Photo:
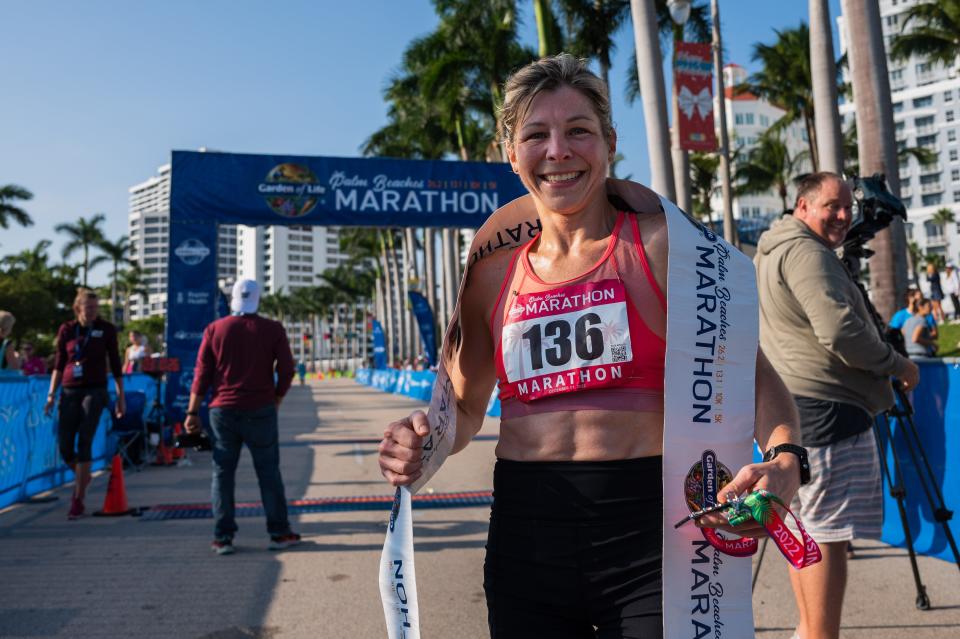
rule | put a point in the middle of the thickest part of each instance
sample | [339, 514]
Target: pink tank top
[580, 344]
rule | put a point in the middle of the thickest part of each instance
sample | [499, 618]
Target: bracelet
[193, 414]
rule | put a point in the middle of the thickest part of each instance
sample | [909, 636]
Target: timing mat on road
[470, 499]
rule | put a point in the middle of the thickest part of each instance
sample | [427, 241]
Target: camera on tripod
[874, 208]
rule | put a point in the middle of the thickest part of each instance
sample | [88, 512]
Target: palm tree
[703, 181]
[823, 72]
[785, 81]
[130, 283]
[877, 152]
[915, 256]
[117, 253]
[29, 260]
[8, 195]
[549, 35]
[768, 165]
[942, 217]
[591, 27]
[930, 30]
[83, 236]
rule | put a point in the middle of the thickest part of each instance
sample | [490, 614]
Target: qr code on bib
[618, 352]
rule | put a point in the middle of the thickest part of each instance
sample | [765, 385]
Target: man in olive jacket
[819, 336]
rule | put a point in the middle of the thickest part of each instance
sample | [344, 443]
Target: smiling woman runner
[573, 326]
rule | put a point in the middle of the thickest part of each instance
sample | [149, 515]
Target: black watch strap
[193, 414]
[801, 454]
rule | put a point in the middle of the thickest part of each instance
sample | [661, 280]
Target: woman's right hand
[48, 407]
[401, 449]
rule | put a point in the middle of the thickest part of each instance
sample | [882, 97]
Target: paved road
[130, 578]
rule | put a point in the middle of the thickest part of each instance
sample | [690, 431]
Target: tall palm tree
[942, 217]
[84, 235]
[9, 194]
[785, 81]
[769, 165]
[823, 72]
[704, 183]
[877, 150]
[117, 253]
[591, 27]
[549, 34]
[930, 30]
[915, 256]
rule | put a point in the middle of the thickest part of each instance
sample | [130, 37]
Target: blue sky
[96, 94]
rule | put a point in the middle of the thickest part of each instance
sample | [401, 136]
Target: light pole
[679, 13]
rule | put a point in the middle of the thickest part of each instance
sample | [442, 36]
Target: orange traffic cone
[115, 503]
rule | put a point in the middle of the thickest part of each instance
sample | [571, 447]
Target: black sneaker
[223, 546]
[281, 542]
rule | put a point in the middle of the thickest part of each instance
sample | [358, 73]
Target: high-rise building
[926, 106]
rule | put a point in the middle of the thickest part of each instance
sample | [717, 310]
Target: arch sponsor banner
[234, 188]
[693, 85]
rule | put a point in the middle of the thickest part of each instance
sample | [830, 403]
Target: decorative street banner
[421, 310]
[693, 85]
[209, 188]
[379, 345]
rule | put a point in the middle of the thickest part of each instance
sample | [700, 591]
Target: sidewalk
[127, 577]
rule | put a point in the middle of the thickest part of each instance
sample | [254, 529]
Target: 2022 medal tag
[568, 338]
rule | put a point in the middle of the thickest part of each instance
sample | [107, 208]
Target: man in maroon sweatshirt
[238, 358]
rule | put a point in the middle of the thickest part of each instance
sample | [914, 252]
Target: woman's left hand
[121, 406]
[780, 477]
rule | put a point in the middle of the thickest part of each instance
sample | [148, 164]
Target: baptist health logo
[291, 190]
[191, 252]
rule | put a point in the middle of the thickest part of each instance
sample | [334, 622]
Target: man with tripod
[820, 337]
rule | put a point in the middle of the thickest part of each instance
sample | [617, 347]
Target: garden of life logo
[291, 190]
[704, 481]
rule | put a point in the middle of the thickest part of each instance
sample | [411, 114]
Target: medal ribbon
[800, 553]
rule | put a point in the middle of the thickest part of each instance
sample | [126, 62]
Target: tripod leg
[756, 571]
[925, 472]
[898, 492]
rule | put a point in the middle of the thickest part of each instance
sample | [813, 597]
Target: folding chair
[130, 431]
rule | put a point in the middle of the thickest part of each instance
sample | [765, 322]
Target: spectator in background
[237, 359]
[136, 352]
[84, 347]
[936, 291]
[9, 360]
[910, 299]
[32, 364]
[919, 339]
[301, 372]
[951, 287]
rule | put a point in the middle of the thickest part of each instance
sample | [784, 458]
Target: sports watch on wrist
[801, 454]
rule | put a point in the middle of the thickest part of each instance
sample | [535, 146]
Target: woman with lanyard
[84, 347]
[9, 360]
[576, 534]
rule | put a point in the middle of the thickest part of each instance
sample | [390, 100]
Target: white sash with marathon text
[705, 594]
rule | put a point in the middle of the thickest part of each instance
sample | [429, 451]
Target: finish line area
[155, 575]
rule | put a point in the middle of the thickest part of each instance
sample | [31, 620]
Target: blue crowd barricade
[936, 402]
[415, 384]
[30, 460]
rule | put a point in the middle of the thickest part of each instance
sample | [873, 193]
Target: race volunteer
[575, 535]
[85, 346]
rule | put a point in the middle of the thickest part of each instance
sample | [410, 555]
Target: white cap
[246, 297]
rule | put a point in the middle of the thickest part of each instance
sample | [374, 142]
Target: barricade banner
[424, 315]
[29, 457]
[379, 345]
